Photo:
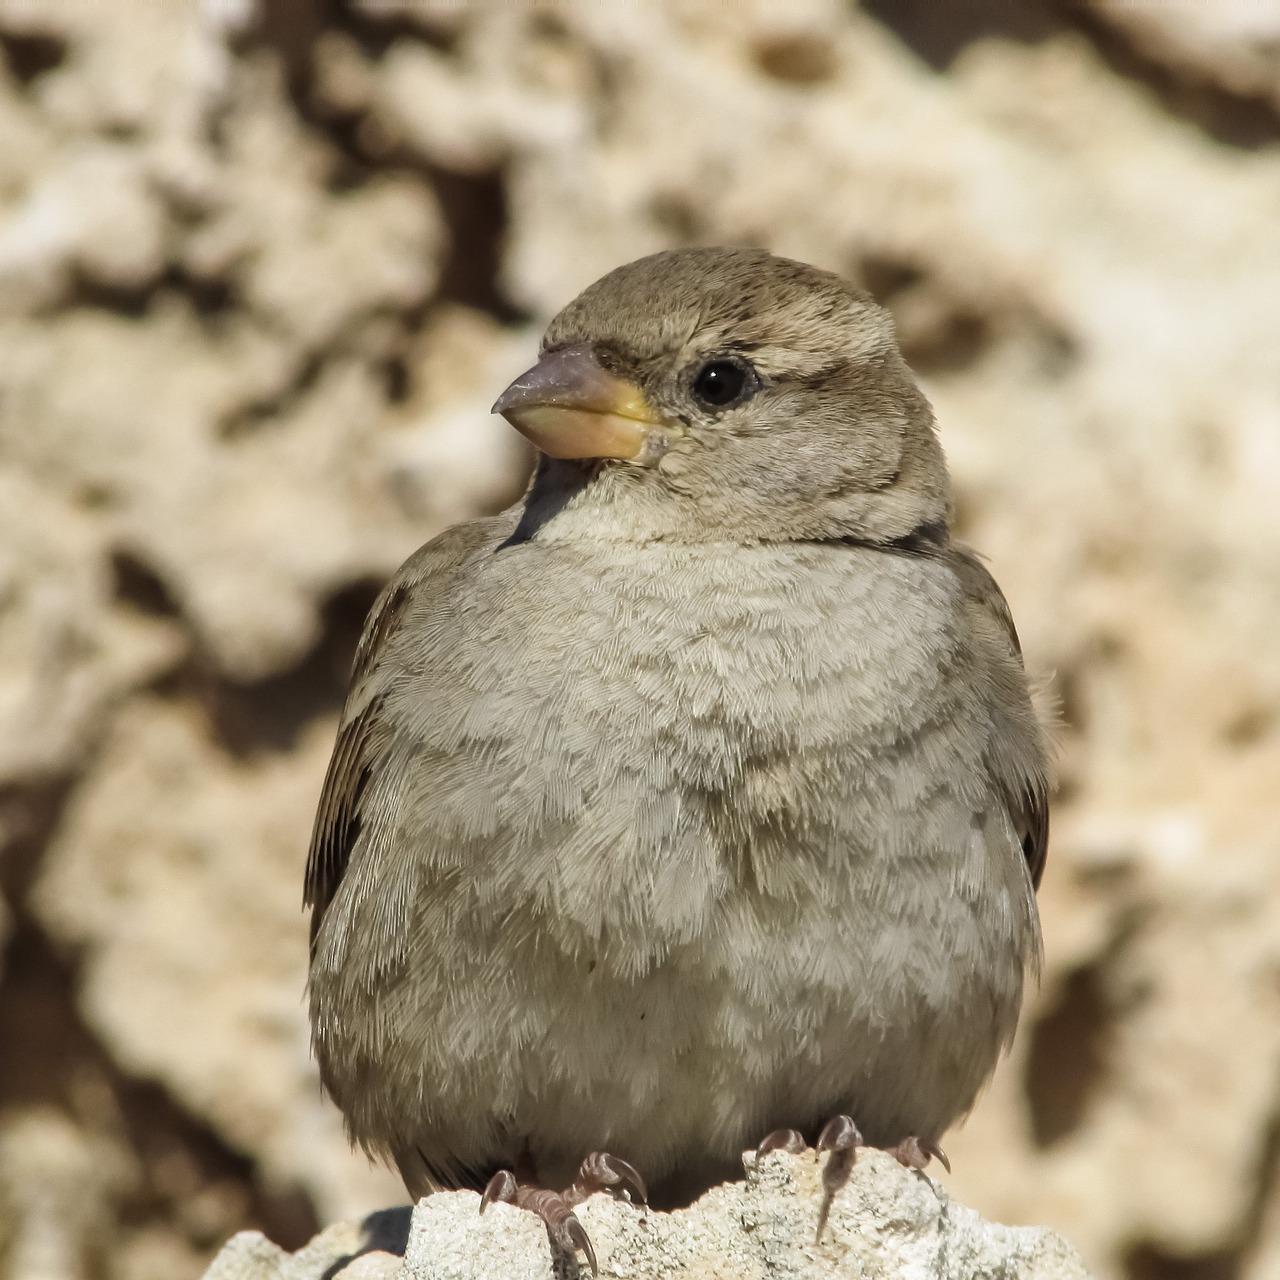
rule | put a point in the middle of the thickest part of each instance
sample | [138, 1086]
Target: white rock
[886, 1222]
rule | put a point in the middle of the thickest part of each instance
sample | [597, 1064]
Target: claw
[782, 1140]
[839, 1134]
[502, 1186]
[577, 1238]
[916, 1153]
[562, 1223]
[602, 1172]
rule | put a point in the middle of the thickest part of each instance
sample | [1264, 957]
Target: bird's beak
[571, 407]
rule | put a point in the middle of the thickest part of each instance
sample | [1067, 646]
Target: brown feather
[337, 823]
[1030, 808]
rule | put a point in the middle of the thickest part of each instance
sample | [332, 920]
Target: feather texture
[665, 812]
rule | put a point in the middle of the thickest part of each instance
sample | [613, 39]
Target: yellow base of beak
[570, 407]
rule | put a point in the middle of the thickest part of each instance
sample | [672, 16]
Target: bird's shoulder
[428, 576]
[1017, 753]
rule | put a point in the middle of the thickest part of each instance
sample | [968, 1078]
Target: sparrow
[697, 797]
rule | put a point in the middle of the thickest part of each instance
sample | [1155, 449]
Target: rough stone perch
[886, 1222]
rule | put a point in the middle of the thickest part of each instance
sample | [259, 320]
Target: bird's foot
[840, 1136]
[598, 1172]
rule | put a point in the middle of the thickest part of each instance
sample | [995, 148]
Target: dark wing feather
[1035, 843]
[1029, 801]
[337, 823]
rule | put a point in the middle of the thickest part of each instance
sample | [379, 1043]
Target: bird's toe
[841, 1137]
[791, 1140]
[602, 1172]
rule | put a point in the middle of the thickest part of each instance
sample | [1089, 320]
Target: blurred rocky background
[262, 269]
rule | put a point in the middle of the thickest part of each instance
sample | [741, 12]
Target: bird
[697, 801]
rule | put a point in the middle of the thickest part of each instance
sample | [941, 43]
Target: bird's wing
[1016, 752]
[363, 729]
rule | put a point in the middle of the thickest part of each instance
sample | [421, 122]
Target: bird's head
[727, 394]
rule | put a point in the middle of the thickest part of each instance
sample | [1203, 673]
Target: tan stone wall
[262, 271]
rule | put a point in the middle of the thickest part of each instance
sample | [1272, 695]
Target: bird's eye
[723, 382]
